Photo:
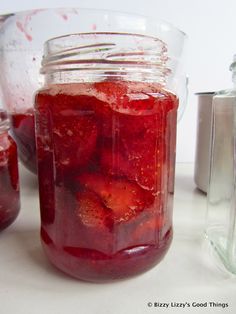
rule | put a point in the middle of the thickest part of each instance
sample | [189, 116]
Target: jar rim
[84, 43]
[107, 52]
[88, 34]
[24, 13]
[24, 27]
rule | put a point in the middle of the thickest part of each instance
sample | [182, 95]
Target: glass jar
[221, 216]
[106, 134]
[9, 180]
[21, 49]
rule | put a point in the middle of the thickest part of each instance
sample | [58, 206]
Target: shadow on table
[29, 242]
[185, 183]
[39, 265]
[28, 180]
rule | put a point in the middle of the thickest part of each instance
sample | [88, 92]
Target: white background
[211, 29]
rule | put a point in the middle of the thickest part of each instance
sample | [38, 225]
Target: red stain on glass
[20, 26]
[64, 16]
[94, 27]
[24, 25]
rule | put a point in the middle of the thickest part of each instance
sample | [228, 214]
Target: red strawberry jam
[106, 167]
[23, 132]
[9, 181]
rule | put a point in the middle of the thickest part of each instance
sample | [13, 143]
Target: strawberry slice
[112, 92]
[138, 159]
[71, 122]
[75, 140]
[84, 105]
[126, 199]
[91, 210]
[139, 148]
[135, 97]
[146, 159]
[124, 110]
[139, 125]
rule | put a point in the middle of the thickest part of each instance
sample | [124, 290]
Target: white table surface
[188, 273]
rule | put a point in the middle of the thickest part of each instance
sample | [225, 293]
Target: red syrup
[9, 181]
[106, 173]
[23, 132]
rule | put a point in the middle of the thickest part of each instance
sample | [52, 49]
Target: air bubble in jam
[106, 212]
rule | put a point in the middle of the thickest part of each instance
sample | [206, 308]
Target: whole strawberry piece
[124, 198]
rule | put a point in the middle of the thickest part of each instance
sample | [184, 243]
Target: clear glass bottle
[221, 198]
[106, 131]
[9, 180]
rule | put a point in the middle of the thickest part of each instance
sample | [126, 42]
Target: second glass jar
[105, 131]
[9, 176]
